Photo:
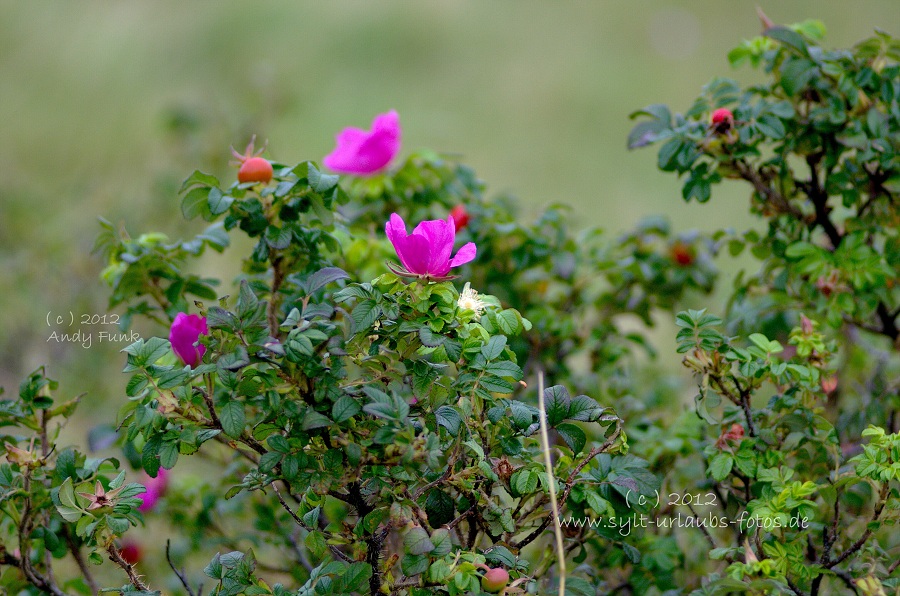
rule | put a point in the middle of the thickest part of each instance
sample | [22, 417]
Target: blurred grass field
[105, 107]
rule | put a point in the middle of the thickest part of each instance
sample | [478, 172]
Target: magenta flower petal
[464, 255]
[426, 252]
[186, 330]
[440, 235]
[417, 254]
[363, 153]
[156, 488]
[395, 229]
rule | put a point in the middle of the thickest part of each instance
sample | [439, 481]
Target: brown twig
[333, 548]
[277, 280]
[442, 478]
[180, 573]
[75, 549]
[876, 514]
[570, 482]
[702, 526]
[894, 566]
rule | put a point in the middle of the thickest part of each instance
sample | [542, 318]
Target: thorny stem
[116, 557]
[375, 541]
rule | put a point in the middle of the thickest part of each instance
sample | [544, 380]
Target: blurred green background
[106, 106]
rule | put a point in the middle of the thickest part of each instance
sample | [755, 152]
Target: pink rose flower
[363, 152]
[186, 330]
[426, 252]
[156, 488]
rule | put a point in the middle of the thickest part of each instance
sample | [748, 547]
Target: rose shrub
[338, 425]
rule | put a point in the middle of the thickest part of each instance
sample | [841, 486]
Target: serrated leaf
[525, 482]
[417, 541]
[573, 436]
[323, 277]
[345, 408]
[494, 347]
[720, 466]
[356, 576]
[501, 554]
[233, 418]
[196, 202]
[198, 178]
[313, 420]
[278, 238]
[318, 181]
[449, 418]
[218, 201]
[556, 404]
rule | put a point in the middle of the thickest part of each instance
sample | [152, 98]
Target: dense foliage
[359, 425]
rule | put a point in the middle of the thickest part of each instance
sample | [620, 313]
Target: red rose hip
[722, 115]
[494, 580]
[682, 254]
[253, 168]
[460, 217]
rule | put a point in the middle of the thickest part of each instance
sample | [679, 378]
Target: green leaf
[268, 461]
[508, 322]
[788, 37]
[196, 202]
[500, 554]
[168, 454]
[318, 181]
[442, 542]
[417, 541]
[440, 507]
[494, 347]
[449, 418]
[596, 502]
[720, 466]
[525, 482]
[556, 404]
[218, 201]
[364, 315]
[278, 238]
[412, 565]
[278, 443]
[150, 456]
[315, 542]
[584, 409]
[323, 277]
[313, 420]
[798, 250]
[233, 418]
[573, 436]
[198, 178]
[770, 126]
[345, 408]
[357, 576]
